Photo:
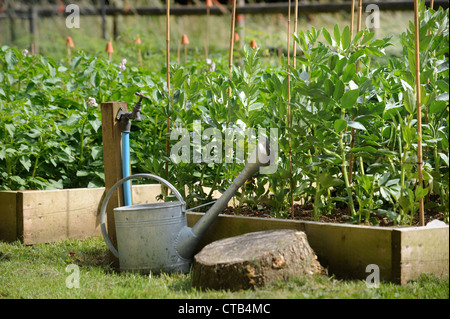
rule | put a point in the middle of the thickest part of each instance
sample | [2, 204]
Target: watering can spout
[188, 238]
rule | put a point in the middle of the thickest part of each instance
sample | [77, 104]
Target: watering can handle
[110, 193]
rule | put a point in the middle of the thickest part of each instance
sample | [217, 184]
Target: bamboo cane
[427, 109]
[168, 85]
[419, 111]
[352, 18]
[352, 130]
[230, 57]
[291, 179]
[295, 32]
[208, 4]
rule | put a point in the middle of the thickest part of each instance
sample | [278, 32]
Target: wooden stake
[138, 43]
[109, 49]
[112, 159]
[291, 179]
[178, 52]
[185, 42]
[419, 111]
[230, 56]
[69, 44]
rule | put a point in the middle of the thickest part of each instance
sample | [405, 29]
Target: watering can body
[146, 237]
[147, 234]
[155, 237]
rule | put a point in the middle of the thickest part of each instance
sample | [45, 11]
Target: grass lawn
[44, 271]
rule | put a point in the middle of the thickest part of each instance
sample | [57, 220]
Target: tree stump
[254, 259]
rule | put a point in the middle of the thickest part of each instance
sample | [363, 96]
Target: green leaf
[256, 106]
[337, 35]
[339, 88]
[358, 36]
[11, 58]
[409, 100]
[349, 98]
[356, 55]
[327, 180]
[26, 162]
[369, 149]
[96, 151]
[367, 37]
[75, 61]
[404, 202]
[437, 106]
[96, 124]
[340, 125]
[11, 129]
[444, 157]
[411, 60]
[356, 125]
[327, 36]
[19, 180]
[349, 72]
[346, 38]
[420, 193]
[82, 173]
[329, 87]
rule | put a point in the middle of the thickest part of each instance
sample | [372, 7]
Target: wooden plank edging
[401, 253]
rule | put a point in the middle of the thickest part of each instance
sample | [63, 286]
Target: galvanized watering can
[155, 237]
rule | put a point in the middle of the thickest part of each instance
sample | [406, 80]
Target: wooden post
[33, 17]
[112, 159]
[240, 22]
[103, 10]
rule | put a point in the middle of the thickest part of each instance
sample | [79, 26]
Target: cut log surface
[254, 260]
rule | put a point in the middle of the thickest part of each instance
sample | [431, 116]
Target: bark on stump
[254, 259]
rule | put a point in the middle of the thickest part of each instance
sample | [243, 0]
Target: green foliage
[51, 138]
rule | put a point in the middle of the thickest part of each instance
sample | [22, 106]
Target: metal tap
[125, 117]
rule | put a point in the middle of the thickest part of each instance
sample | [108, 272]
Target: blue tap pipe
[126, 167]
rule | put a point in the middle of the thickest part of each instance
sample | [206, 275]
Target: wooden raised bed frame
[401, 253]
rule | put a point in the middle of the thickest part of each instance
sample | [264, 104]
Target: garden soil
[304, 213]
